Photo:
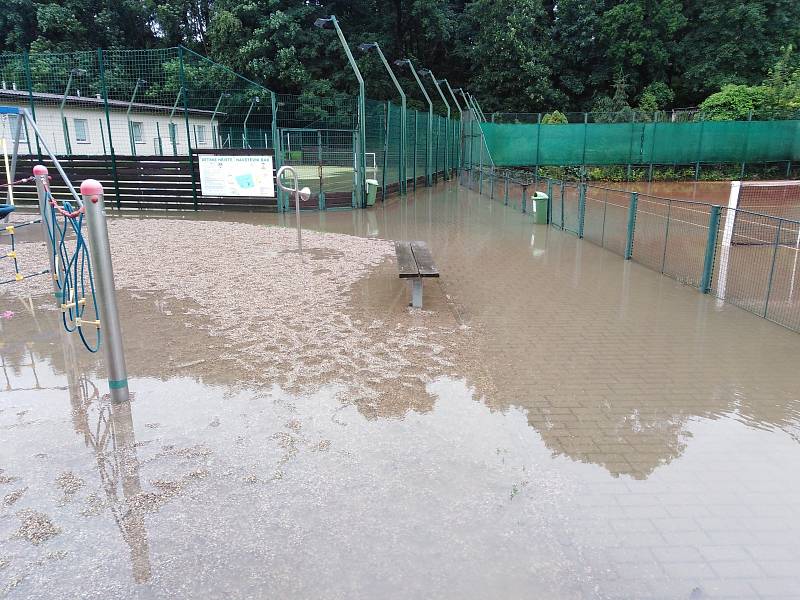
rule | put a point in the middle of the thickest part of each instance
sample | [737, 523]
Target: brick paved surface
[621, 437]
[677, 416]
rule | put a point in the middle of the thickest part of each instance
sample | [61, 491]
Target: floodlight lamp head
[441, 81]
[141, 81]
[255, 99]
[402, 62]
[325, 22]
[78, 72]
[366, 47]
[305, 194]
[424, 72]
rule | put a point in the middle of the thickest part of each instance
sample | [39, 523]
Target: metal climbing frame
[83, 277]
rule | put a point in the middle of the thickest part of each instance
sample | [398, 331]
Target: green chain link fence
[127, 117]
[742, 257]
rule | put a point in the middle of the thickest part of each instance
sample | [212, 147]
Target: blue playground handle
[6, 209]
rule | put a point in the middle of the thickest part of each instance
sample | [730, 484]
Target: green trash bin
[372, 191]
[539, 202]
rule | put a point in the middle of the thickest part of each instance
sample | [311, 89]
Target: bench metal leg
[416, 292]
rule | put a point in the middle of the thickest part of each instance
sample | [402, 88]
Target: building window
[81, 130]
[200, 134]
[137, 130]
[23, 132]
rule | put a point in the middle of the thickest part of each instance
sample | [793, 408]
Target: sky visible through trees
[514, 55]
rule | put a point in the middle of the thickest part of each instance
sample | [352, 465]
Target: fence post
[29, 79]
[100, 251]
[652, 148]
[699, 149]
[524, 197]
[104, 90]
[772, 267]
[711, 246]
[581, 208]
[480, 173]
[386, 149]
[538, 139]
[630, 146]
[585, 138]
[505, 191]
[276, 146]
[666, 236]
[746, 142]
[188, 129]
[415, 151]
[631, 225]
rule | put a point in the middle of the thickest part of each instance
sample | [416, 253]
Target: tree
[735, 102]
[574, 33]
[734, 41]
[506, 44]
[640, 39]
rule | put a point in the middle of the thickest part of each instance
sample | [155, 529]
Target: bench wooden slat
[405, 260]
[424, 260]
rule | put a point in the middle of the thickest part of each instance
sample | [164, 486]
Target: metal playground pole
[100, 250]
[41, 177]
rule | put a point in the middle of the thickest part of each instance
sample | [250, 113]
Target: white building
[137, 128]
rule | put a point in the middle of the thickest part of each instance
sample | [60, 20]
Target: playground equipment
[80, 266]
[299, 194]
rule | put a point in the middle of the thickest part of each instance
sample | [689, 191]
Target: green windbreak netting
[643, 143]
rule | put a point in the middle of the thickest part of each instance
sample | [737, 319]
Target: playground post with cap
[100, 250]
[40, 175]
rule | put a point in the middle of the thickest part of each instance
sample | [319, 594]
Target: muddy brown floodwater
[555, 423]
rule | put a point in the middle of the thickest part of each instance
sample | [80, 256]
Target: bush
[555, 118]
[735, 102]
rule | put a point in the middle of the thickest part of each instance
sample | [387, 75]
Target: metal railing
[741, 257]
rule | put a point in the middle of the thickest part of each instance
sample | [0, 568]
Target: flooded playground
[555, 422]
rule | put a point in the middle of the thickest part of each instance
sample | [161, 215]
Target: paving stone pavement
[677, 415]
[654, 434]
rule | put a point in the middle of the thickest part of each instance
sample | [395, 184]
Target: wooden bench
[414, 261]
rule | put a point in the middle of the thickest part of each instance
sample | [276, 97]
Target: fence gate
[325, 162]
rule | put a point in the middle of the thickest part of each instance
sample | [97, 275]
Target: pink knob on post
[91, 187]
[40, 170]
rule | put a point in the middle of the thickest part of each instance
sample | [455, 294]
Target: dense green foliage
[514, 55]
[777, 96]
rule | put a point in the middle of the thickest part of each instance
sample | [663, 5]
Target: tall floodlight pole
[429, 150]
[472, 117]
[473, 106]
[424, 72]
[360, 184]
[72, 74]
[460, 122]
[245, 141]
[374, 46]
[139, 82]
[214, 116]
[480, 110]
